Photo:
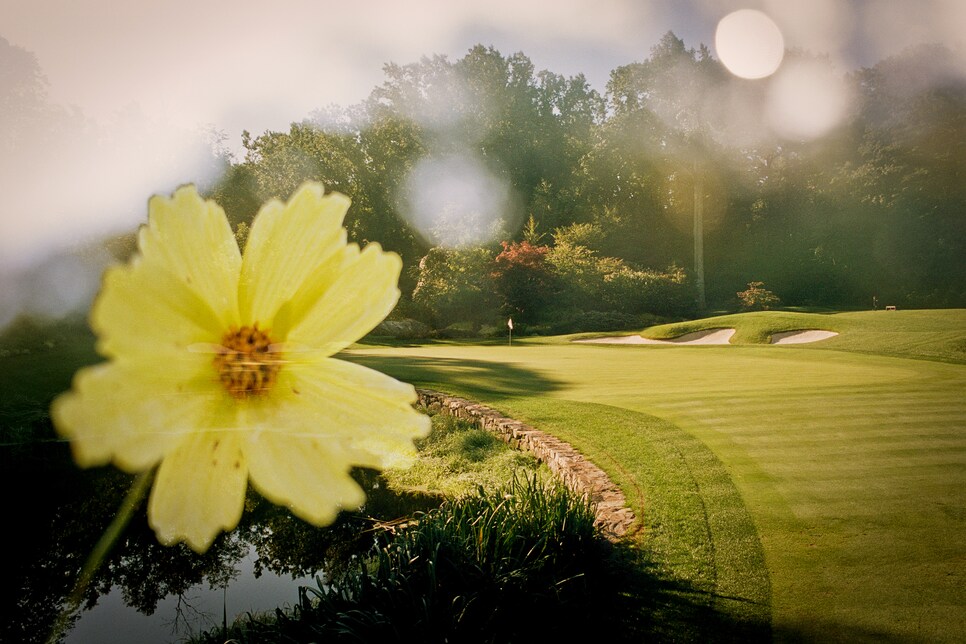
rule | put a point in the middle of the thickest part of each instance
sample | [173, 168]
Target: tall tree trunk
[699, 236]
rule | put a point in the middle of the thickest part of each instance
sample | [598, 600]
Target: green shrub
[492, 331]
[757, 297]
[634, 291]
[406, 328]
[580, 321]
[590, 282]
[579, 274]
[580, 234]
[455, 285]
[458, 330]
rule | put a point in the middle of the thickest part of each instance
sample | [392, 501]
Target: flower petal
[353, 299]
[325, 417]
[313, 288]
[190, 239]
[134, 412]
[144, 311]
[286, 244]
[305, 473]
[199, 489]
[366, 412]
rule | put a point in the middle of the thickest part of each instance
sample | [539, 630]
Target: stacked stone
[613, 516]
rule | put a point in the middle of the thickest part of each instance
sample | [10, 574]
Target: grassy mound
[927, 334]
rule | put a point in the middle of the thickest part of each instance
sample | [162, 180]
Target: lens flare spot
[749, 44]
[806, 100]
[454, 200]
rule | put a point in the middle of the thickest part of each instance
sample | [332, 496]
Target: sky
[152, 77]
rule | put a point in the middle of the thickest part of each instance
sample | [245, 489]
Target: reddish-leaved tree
[523, 278]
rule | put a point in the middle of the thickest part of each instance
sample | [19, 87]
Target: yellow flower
[219, 366]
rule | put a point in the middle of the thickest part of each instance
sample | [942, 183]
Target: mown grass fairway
[819, 488]
[824, 487]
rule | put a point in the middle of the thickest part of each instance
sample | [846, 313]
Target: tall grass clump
[458, 457]
[521, 561]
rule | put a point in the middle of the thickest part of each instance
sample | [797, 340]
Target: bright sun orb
[749, 44]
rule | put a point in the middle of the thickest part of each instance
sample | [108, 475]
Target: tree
[455, 285]
[907, 181]
[523, 278]
[530, 128]
[362, 157]
[238, 193]
[657, 171]
[531, 232]
[280, 162]
[672, 91]
[23, 95]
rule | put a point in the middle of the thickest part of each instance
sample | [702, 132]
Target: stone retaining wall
[579, 474]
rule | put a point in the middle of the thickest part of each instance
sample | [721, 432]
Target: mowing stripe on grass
[852, 466]
[694, 523]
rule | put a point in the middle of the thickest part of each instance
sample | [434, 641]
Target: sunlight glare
[806, 100]
[749, 44]
[454, 200]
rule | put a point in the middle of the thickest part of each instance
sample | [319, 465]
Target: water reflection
[147, 591]
[200, 608]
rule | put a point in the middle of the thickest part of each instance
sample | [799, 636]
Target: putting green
[825, 487]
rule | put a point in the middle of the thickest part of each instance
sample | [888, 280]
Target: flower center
[246, 363]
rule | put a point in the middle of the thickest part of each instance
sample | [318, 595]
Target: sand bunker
[801, 337]
[711, 336]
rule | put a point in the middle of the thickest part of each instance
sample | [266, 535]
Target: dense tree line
[616, 187]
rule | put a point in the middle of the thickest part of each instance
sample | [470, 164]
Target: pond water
[199, 608]
[146, 592]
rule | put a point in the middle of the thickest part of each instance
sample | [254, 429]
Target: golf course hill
[935, 334]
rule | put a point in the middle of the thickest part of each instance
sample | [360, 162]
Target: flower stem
[99, 554]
